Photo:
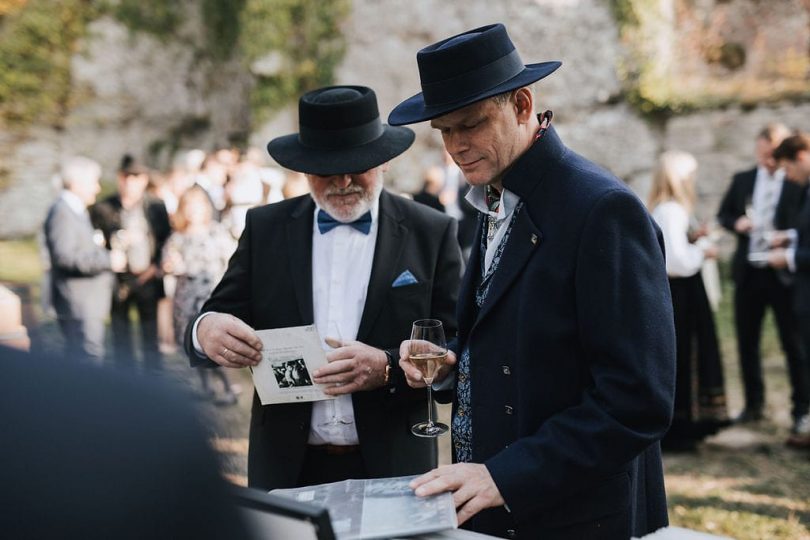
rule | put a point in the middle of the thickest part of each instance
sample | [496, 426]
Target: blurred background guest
[432, 182]
[81, 278]
[138, 225]
[700, 399]
[197, 255]
[794, 152]
[758, 202]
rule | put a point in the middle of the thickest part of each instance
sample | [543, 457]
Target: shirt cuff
[793, 236]
[790, 257]
[194, 341]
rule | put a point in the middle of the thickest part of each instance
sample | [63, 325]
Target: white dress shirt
[477, 197]
[767, 190]
[341, 269]
[683, 259]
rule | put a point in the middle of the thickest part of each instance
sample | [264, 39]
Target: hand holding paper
[228, 341]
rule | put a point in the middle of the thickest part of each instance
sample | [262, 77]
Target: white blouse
[683, 258]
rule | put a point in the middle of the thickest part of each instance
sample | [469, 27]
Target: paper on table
[289, 356]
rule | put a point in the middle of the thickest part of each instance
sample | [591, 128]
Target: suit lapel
[523, 240]
[299, 243]
[471, 277]
[387, 251]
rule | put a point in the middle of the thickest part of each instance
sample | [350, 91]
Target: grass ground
[743, 483]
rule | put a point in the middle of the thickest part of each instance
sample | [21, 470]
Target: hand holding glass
[428, 352]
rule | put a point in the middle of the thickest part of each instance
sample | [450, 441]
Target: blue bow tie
[326, 222]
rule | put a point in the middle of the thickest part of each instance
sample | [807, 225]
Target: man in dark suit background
[359, 263]
[81, 269]
[566, 348]
[794, 153]
[760, 201]
[138, 225]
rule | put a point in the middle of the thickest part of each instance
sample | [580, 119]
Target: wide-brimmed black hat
[340, 132]
[466, 68]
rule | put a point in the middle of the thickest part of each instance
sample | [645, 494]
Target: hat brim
[414, 110]
[291, 154]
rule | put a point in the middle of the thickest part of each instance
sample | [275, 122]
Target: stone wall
[137, 93]
[132, 93]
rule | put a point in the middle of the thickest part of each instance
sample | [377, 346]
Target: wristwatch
[388, 367]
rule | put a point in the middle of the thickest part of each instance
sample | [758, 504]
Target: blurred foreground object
[12, 332]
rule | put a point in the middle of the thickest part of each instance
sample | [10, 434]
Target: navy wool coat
[572, 356]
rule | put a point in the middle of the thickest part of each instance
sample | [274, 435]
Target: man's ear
[524, 104]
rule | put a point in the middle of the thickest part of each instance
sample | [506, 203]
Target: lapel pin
[534, 239]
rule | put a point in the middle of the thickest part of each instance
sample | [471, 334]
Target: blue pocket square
[405, 278]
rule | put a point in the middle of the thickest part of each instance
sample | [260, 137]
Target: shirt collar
[74, 202]
[777, 176]
[477, 196]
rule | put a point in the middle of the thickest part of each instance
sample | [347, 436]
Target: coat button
[506, 370]
[511, 533]
[508, 409]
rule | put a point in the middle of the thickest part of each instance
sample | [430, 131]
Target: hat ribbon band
[479, 80]
[337, 139]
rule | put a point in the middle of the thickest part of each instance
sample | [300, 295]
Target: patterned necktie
[326, 222]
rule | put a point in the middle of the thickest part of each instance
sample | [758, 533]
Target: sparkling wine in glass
[428, 352]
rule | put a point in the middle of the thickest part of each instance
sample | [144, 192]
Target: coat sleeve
[72, 252]
[626, 339]
[729, 212]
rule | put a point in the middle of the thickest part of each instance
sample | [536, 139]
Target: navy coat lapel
[387, 251]
[472, 275]
[523, 240]
[299, 244]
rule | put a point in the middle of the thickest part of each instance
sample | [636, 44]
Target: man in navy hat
[566, 348]
[361, 265]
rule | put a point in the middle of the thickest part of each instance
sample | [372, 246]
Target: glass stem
[430, 408]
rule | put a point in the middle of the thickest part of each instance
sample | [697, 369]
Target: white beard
[349, 213]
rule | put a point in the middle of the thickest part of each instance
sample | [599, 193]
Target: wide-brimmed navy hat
[340, 132]
[466, 68]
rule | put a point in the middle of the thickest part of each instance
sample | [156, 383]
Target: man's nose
[342, 181]
[455, 143]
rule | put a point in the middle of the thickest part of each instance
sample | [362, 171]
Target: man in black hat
[136, 224]
[566, 347]
[361, 265]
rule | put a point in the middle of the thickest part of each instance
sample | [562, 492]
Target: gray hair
[79, 169]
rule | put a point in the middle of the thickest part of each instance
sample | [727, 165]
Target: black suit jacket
[732, 207]
[268, 284]
[106, 215]
[572, 356]
[802, 291]
[81, 280]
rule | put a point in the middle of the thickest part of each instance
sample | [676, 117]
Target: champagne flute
[428, 352]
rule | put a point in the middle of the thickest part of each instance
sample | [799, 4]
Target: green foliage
[157, 17]
[306, 33]
[37, 41]
[222, 23]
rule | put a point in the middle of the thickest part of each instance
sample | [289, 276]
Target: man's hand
[778, 239]
[147, 274]
[412, 375]
[777, 259]
[353, 366]
[743, 225]
[472, 486]
[228, 341]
